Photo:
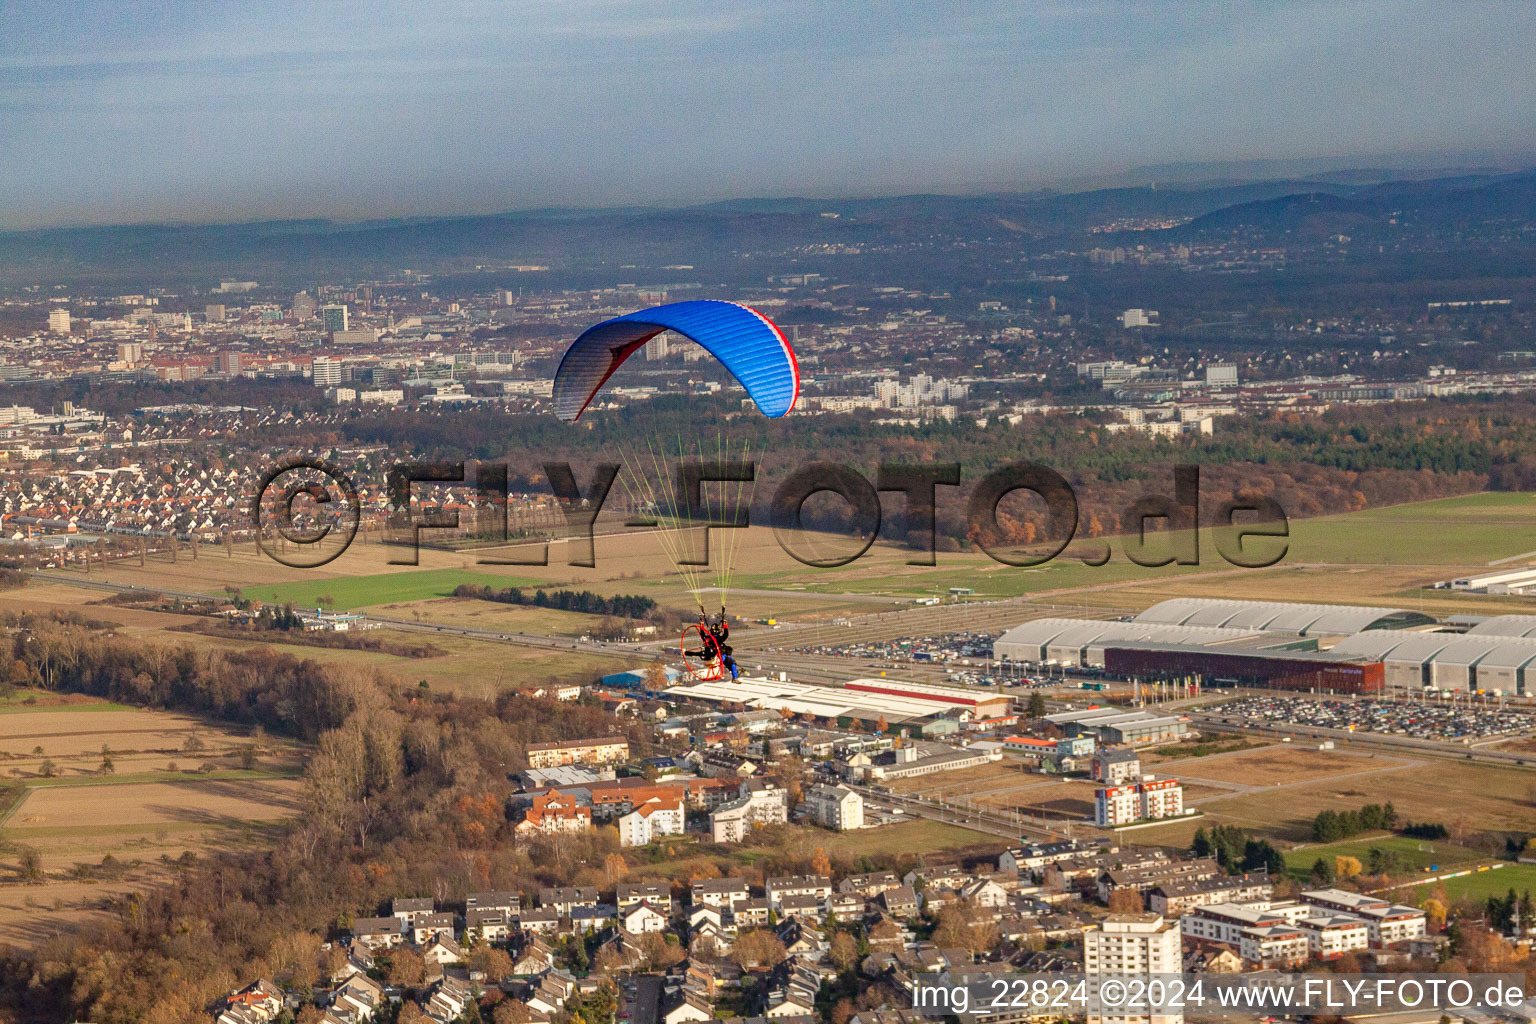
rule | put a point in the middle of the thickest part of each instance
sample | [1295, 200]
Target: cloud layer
[189, 110]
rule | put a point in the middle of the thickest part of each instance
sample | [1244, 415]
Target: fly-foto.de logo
[307, 512]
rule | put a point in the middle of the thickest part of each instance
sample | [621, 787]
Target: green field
[1482, 884]
[1470, 530]
[350, 592]
[1412, 854]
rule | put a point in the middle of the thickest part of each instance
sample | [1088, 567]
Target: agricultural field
[473, 614]
[176, 784]
[975, 779]
[459, 662]
[71, 733]
[1467, 797]
[1280, 764]
[348, 593]
[1050, 797]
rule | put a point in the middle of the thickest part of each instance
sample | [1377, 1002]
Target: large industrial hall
[1315, 647]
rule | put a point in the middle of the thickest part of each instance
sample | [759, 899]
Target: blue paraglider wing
[748, 344]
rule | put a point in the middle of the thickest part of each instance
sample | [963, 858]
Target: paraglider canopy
[747, 343]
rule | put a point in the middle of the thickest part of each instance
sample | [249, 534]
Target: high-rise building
[1131, 946]
[227, 363]
[325, 372]
[657, 348]
[304, 306]
[58, 321]
[1220, 373]
[335, 317]
[130, 352]
[1139, 318]
[214, 313]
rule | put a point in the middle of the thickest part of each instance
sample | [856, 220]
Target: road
[645, 1008]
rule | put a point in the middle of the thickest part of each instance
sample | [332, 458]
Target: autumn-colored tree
[1434, 914]
[1125, 900]
[656, 676]
[658, 952]
[881, 725]
[844, 952]
[1348, 963]
[331, 960]
[884, 934]
[411, 1013]
[615, 868]
[511, 1011]
[842, 1011]
[309, 1014]
[821, 864]
[1346, 867]
[494, 963]
[758, 947]
[405, 967]
[965, 926]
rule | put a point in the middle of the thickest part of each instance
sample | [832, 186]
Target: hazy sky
[191, 109]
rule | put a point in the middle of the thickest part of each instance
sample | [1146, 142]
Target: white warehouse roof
[1505, 625]
[1281, 617]
[1030, 640]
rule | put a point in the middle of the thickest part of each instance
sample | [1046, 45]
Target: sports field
[1411, 854]
[1481, 884]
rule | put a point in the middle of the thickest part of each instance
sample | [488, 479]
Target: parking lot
[1428, 720]
[939, 649]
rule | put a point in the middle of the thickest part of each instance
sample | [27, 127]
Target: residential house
[651, 821]
[539, 921]
[642, 917]
[835, 807]
[552, 814]
[564, 900]
[601, 750]
[845, 907]
[657, 895]
[489, 924]
[424, 928]
[379, 932]
[1174, 898]
[442, 949]
[872, 884]
[719, 892]
[408, 909]
[257, 1003]
[359, 997]
[819, 886]
[900, 902]
[508, 902]
[984, 892]
[800, 906]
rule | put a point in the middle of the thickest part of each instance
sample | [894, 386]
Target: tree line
[628, 606]
[1331, 826]
[1236, 851]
